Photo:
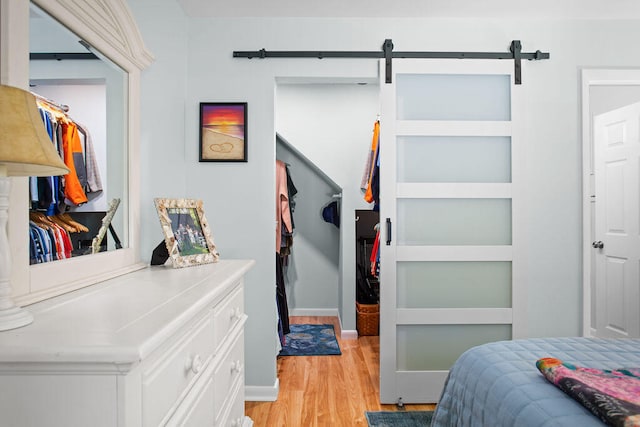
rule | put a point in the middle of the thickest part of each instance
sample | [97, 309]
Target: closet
[311, 268]
[329, 126]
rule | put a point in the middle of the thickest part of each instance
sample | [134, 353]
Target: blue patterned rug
[399, 419]
[310, 340]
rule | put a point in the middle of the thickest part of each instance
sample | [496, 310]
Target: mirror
[81, 95]
[108, 32]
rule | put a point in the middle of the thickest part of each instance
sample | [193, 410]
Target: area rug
[399, 418]
[310, 340]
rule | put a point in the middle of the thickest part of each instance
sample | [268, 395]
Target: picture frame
[186, 232]
[223, 132]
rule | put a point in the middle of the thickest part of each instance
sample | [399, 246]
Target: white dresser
[159, 346]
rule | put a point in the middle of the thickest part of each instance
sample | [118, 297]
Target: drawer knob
[235, 314]
[236, 367]
[193, 364]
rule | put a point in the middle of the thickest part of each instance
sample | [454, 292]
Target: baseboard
[314, 312]
[349, 335]
[262, 393]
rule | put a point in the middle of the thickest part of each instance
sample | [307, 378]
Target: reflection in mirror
[81, 95]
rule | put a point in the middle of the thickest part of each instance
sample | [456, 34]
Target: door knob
[598, 244]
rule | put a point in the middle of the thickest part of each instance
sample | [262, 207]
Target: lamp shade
[25, 146]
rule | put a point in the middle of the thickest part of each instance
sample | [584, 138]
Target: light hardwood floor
[319, 391]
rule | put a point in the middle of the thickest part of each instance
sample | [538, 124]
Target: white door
[617, 222]
[451, 207]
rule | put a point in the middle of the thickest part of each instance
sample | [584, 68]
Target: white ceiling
[597, 9]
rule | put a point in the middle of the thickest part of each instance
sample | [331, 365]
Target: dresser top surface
[121, 320]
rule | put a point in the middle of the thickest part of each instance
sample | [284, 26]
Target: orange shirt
[72, 148]
[368, 196]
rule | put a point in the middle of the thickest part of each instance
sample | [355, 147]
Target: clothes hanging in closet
[283, 211]
[285, 205]
[281, 300]
[371, 186]
[73, 142]
[374, 259]
[48, 240]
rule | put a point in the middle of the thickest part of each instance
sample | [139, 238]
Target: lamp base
[14, 317]
[11, 316]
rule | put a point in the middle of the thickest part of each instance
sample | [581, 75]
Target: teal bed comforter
[499, 384]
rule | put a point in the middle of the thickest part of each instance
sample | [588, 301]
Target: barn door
[451, 191]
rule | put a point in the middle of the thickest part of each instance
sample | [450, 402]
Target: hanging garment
[375, 182]
[286, 240]
[36, 249]
[371, 152]
[94, 182]
[74, 160]
[331, 213]
[375, 146]
[374, 259]
[283, 214]
[292, 191]
[281, 298]
[43, 189]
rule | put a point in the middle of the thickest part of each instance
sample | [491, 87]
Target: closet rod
[59, 56]
[515, 53]
[62, 107]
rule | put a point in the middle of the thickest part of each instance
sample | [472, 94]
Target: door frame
[592, 78]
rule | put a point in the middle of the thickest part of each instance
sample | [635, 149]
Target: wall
[607, 98]
[239, 197]
[163, 166]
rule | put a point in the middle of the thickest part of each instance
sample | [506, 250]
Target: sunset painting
[223, 132]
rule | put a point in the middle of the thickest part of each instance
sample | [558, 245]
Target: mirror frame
[109, 27]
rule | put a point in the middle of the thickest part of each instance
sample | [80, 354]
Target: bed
[498, 384]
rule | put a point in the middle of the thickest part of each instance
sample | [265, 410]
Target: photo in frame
[186, 232]
[223, 132]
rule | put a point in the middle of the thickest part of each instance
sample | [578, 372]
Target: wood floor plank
[319, 391]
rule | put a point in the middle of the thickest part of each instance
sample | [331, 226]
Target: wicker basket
[367, 318]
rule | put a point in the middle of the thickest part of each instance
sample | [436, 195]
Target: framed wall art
[186, 232]
[223, 131]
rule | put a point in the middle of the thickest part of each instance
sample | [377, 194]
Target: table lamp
[25, 150]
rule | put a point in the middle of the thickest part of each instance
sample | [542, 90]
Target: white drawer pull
[237, 422]
[236, 367]
[235, 314]
[193, 364]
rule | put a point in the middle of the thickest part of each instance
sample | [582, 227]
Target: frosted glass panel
[453, 97]
[436, 347]
[454, 159]
[454, 222]
[453, 284]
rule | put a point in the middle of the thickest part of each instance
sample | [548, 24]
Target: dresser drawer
[196, 409]
[234, 415]
[226, 314]
[228, 372]
[174, 369]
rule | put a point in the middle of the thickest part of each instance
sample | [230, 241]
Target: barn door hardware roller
[515, 53]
